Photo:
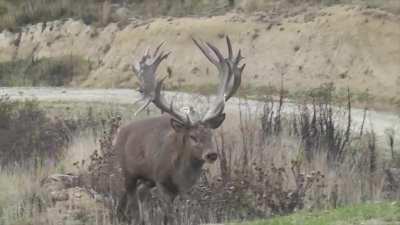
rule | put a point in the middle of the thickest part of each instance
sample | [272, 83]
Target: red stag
[168, 151]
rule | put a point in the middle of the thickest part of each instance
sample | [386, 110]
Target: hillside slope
[351, 46]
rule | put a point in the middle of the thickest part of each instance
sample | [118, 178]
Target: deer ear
[177, 125]
[215, 122]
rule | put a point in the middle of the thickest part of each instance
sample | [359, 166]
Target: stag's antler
[230, 75]
[145, 71]
[150, 88]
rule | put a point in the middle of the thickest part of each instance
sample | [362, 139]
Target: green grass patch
[385, 213]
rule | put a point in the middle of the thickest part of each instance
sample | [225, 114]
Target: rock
[59, 196]
[72, 203]
[58, 182]
[75, 206]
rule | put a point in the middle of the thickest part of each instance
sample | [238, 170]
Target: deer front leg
[167, 195]
[143, 193]
[122, 204]
[128, 205]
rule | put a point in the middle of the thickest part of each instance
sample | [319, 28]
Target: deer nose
[211, 157]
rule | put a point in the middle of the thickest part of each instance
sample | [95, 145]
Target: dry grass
[58, 71]
[262, 171]
[250, 6]
[22, 200]
[15, 14]
[267, 173]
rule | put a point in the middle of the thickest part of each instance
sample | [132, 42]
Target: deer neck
[186, 171]
[175, 165]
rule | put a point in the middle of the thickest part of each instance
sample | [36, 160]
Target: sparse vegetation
[16, 14]
[264, 169]
[27, 134]
[43, 72]
[244, 185]
[360, 99]
[308, 166]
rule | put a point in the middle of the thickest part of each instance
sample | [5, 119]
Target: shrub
[27, 134]
[42, 72]
[20, 13]
[15, 14]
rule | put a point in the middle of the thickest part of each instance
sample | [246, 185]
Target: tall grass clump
[19, 13]
[28, 135]
[39, 143]
[43, 72]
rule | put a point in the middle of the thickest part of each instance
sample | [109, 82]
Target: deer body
[153, 151]
[168, 151]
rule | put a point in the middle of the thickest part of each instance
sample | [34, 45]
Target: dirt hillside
[351, 46]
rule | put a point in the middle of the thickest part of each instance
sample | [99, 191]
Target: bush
[28, 135]
[43, 72]
[16, 14]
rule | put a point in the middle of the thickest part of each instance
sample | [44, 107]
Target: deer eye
[194, 138]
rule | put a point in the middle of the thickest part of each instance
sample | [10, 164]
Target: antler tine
[205, 51]
[160, 58]
[157, 49]
[236, 82]
[237, 71]
[216, 51]
[228, 43]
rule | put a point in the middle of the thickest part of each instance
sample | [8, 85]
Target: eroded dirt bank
[351, 46]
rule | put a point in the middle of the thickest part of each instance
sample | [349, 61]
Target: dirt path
[378, 120]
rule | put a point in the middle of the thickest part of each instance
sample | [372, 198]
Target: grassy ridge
[17, 13]
[378, 213]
